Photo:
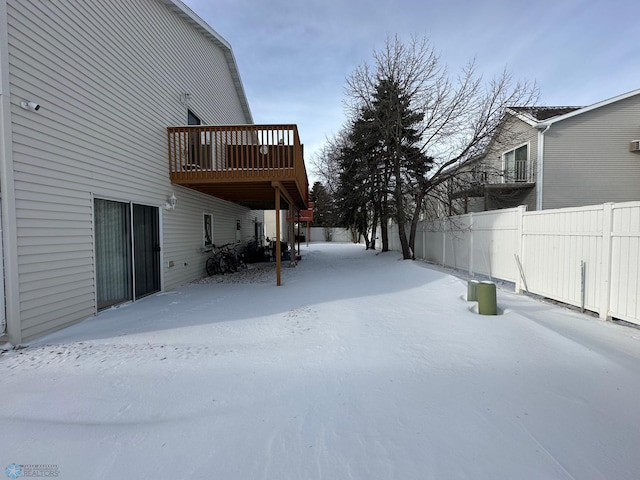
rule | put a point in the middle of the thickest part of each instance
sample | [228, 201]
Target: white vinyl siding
[108, 76]
[183, 234]
[587, 159]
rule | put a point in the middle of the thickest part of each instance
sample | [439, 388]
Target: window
[208, 230]
[514, 164]
[192, 118]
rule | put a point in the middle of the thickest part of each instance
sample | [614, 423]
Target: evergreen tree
[322, 206]
[397, 128]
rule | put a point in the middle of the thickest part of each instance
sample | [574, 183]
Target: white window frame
[504, 163]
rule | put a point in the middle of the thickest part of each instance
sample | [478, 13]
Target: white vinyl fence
[588, 256]
[331, 234]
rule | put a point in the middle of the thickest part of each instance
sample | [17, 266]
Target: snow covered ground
[360, 366]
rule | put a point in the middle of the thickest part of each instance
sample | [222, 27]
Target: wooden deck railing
[237, 153]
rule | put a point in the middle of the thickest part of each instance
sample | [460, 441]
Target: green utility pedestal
[472, 291]
[487, 304]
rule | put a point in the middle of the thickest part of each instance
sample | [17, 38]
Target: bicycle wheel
[210, 266]
[222, 265]
[231, 264]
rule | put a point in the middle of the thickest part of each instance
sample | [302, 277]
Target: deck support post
[282, 192]
[278, 248]
[292, 236]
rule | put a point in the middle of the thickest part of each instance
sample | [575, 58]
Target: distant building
[553, 157]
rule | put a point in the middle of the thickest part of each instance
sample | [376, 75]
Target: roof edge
[589, 108]
[525, 118]
[182, 10]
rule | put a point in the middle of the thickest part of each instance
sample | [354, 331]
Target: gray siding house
[92, 212]
[554, 157]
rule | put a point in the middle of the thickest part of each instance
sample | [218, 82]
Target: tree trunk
[412, 236]
[366, 239]
[414, 221]
[401, 216]
[374, 228]
[384, 222]
[402, 234]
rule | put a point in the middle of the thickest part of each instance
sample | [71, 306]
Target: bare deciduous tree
[458, 118]
[423, 129]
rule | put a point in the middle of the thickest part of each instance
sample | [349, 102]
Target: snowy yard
[360, 366]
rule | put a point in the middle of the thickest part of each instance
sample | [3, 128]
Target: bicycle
[239, 257]
[253, 252]
[217, 264]
[234, 260]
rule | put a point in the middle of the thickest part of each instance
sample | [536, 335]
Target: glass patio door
[146, 242]
[515, 165]
[127, 266]
[113, 252]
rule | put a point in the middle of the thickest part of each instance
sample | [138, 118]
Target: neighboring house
[107, 194]
[554, 157]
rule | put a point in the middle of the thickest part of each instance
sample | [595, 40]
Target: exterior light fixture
[33, 106]
[171, 202]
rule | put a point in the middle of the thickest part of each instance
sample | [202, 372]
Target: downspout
[542, 129]
[9, 252]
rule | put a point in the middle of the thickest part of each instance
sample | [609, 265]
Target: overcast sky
[295, 55]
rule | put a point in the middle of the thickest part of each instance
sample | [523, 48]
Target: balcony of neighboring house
[517, 169]
[251, 165]
[485, 188]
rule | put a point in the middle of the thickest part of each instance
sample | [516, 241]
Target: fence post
[522, 209]
[444, 242]
[605, 280]
[471, 244]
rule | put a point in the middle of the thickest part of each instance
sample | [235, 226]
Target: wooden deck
[244, 164]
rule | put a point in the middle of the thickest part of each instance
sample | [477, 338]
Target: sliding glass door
[146, 242]
[113, 252]
[127, 267]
